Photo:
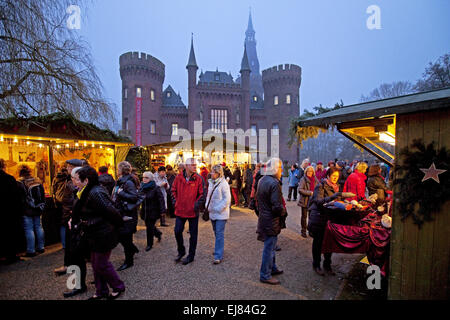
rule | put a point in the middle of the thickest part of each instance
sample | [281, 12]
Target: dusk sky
[339, 56]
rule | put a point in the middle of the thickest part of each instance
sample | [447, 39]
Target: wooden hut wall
[419, 259]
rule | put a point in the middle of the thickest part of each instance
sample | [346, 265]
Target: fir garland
[416, 198]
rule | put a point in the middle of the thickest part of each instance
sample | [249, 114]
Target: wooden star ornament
[432, 173]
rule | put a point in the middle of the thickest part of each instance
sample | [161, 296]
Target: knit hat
[75, 162]
[320, 162]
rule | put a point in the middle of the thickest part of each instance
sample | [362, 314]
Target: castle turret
[281, 97]
[142, 79]
[192, 82]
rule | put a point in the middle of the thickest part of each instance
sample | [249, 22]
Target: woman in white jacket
[218, 202]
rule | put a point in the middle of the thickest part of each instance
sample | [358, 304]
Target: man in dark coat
[271, 219]
[10, 216]
[106, 180]
[64, 195]
[125, 197]
[248, 181]
[152, 207]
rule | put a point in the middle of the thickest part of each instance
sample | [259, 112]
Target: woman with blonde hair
[356, 182]
[125, 197]
[306, 189]
[218, 204]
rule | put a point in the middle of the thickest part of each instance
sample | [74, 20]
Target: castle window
[255, 98]
[168, 94]
[152, 126]
[125, 93]
[138, 92]
[174, 129]
[126, 123]
[288, 99]
[219, 121]
[275, 100]
[152, 94]
[217, 77]
[275, 129]
[253, 130]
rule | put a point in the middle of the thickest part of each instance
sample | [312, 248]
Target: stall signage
[138, 121]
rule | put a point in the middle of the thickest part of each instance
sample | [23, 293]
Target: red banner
[138, 139]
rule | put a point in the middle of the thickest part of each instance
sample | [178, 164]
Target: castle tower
[245, 84]
[142, 79]
[192, 82]
[281, 99]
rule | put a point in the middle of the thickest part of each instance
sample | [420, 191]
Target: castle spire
[250, 33]
[192, 62]
[244, 64]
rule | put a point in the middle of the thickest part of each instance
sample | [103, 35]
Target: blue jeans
[268, 258]
[62, 233]
[219, 232]
[32, 226]
[193, 233]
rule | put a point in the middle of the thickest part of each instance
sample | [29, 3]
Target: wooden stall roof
[226, 144]
[61, 127]
[423, 101]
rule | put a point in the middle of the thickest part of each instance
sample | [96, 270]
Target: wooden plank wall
[419, 258]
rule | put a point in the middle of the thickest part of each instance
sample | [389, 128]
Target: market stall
[45, 143]
[411, 134]
[173, 152]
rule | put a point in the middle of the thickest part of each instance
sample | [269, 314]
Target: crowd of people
[99, 212]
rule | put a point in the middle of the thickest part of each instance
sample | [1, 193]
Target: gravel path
[155, 276]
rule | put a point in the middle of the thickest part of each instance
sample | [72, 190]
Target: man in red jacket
[356, 182]
[189, 197]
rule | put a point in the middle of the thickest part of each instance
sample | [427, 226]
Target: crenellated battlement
[141, 59]
[290, 70]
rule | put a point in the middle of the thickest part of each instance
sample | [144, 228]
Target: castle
[253, 101]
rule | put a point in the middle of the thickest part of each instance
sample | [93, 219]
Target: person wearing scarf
[95, 213]
[306, 189]
[152, 207]
[324, 192]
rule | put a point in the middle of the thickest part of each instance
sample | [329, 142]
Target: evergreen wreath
[429, 195]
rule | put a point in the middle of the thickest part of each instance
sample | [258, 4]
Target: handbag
[78, 241]
[205, 215]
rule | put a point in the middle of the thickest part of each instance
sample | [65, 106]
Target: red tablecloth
[369, 237]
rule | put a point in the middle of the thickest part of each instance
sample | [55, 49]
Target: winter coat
[272, 214]
[219, 202]
[304, 190]
[153, 205]
[227, 174]
[248, 179]
[38, 194]
[376, 184]
[236, 179]
[318, 214]
[101, 218]
[189, 196]
[159, 182]
[356, 184]
[205, 173]
[9, 198]
[321, 174]
[343, 175]
[121, 200]
[294, 178]
[107, 181]
[63, 186]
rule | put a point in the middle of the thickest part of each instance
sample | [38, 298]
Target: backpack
[35, 198]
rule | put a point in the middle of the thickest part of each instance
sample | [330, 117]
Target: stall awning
[381, 108]
[371, 125]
